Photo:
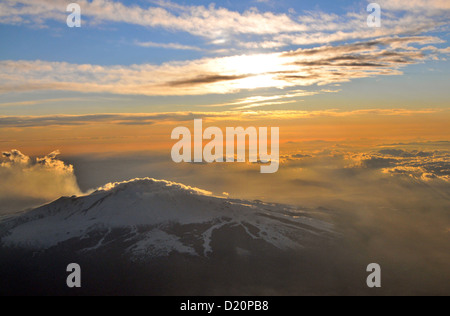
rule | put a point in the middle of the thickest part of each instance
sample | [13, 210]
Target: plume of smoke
[27, 182]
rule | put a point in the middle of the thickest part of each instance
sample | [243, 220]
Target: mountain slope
[151, 218]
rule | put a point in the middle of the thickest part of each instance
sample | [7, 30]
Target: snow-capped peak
[154, 218]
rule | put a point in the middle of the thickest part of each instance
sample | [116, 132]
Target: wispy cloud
[155, 118]
[211, 22]
[262, 104]
[37, 102]
[250, 101]
[220, 25]
[261, 101]
[416, 5]
[167, 46]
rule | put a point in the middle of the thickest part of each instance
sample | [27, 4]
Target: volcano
[149, 236]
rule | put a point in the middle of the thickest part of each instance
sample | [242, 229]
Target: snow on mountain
[153, 218]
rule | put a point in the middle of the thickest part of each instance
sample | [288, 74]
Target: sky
[77, 99]
[162, 56]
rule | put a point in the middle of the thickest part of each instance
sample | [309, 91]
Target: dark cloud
[362, 46]
[378, 163]
[74, 120]
[357, 60]
[405, 154]
[354, 64]
[300, 156]
[206, 80]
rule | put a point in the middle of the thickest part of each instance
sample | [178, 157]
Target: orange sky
[356, 128]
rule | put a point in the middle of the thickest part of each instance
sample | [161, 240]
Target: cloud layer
[420, 165]
[322, 65]
[154, 118]
[247, 29]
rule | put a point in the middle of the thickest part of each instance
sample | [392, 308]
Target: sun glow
[256, 64]
[261, 69]
[262, 81]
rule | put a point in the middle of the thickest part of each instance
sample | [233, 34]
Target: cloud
[167, 46]
[26, 182]
[38, 102]
[417, 164]
[377, 162]
[250, 29]
[206, 79]
[304, 67]
[263, 104]
[396, 220]
[211, 22]
[154, 118]
[404, 154]
[260, 101]
[416, 5]
[73, 120]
